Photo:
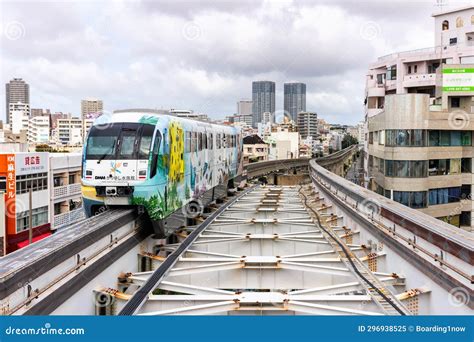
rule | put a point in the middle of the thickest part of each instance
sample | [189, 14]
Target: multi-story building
[70, 131]
[38, 172]
[420, 118]
[244, 107]
[254, 149]
[268, 118]
[65, 190]
[240, 118]
[40, 112]
[91, 108]
[263, 100]
[16, 91]
[18, 116]
[294, 99]
[308, 125]
[38, 130]
[284, 144]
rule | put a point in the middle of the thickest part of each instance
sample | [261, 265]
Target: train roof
[140, 115]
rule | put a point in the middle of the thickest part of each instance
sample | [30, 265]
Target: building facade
[263, 100]
[254, 149]
[17, 90]
[244, 107]
[20, 172]
[38, 130]
[294, 99]
[419, 123]
[91, 108]
[308, 125]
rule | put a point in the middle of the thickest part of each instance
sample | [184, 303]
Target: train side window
[204, 141]
[187, 142]
[210, 143]
[145, 142]
[193, 141]
[154, 156]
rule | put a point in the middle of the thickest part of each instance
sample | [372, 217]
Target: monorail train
[162, 163]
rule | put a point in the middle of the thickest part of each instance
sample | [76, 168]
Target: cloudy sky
[203, 55]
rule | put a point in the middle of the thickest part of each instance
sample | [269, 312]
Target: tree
[348, 140]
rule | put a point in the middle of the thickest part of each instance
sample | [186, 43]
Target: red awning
[36, 238]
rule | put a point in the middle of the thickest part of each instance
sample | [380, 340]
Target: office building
[294, 99]
[419, 120]
[16, 91]
[263, 100]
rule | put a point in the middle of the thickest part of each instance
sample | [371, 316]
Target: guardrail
[262, 168]
[380, 209]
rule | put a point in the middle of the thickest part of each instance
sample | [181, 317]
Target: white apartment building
[283, 145]
[38, 130]
[19, 115]
[72, 132]
[420, 119]
[65, 192]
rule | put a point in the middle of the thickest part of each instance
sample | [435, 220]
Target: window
[380, 78]
[406, 168]
[371, 137]
[3, 184]
[459, 22]
[145, 142]
[37, 182]
[466, 138]
[466, 165]
[445, 25]
[102, 142]
[187, 144]
[392, 72]
[444, 195]
[72, 179]
[405, 137]
[416, 68]
[453, 41]
[409, 69]
[154, 154]
[455, 102]
[127, 144]
[412, 199]
[450, 138]
[466, 191]
[38, 218]
[465, 218]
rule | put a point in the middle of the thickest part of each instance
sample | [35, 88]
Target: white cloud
[203, 55]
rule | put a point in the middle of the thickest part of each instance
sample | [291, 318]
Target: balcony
[67, 190]
[65, 219]
[417, 80]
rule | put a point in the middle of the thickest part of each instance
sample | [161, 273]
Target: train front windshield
[119, 141]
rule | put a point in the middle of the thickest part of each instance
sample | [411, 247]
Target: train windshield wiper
[106, 154]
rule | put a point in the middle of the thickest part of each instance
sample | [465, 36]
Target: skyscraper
[16, 91]
[294, 99]
[263, 100]
[91, 108]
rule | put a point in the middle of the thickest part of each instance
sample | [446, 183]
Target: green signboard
[458, 79]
